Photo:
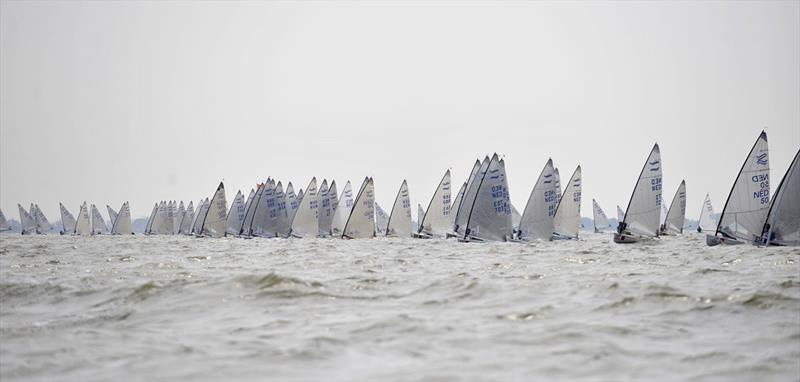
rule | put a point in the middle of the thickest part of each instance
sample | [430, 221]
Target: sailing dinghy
[599, 217]
[536, 222]
[82, 224]
[199, 216]
[215, 218]
[186, 221]
[381, 220]
[620, 215]
[99, 226]
[676, 215]
[783, 220]
[361, 222]
[745, 211]
[436, 221]
[459, 220]
[707, 221]
[343, 207]
[27, 223]
[567, 220]
[644, 208]
[399, 224]
[306, 219]
[327, 208]
[42, 224]
[3, 222]
[489, 212]
[122, 222]
[112, 215]
[235, 215]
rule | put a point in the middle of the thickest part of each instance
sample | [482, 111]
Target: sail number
[762, 180]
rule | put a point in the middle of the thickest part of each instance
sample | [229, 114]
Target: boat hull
[622, 238]
[713, 240]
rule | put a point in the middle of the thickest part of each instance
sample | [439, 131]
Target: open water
[179, 308]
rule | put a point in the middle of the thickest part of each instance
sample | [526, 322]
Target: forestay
[489, 217]
[783, 224]
[567, 221]
[361, 222]
[676, 215]
[536, 222]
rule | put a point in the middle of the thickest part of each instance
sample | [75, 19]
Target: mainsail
[290, 204]
[707, 221]
[381, 219]
[516, 217]
[489, 216]
[436, 221]
[278, 216]
[82, 225]
[469, 198]
[361, 222]
[265, 218]
[42, 225]
[783, 222]
[199, 216]
[621, 215]
[187, 220]
[456, 205]
[558, 184]
[536, 222]
[122, 223]
[178, 218]
[235, 215]
[28, 224]
[327, 198]
[306, 219]
[745, 211]
[216, 214]
[161, 224]
[676, 214]
[250, 209]
[567, 221]
[112, 215]
[148, 229]
[400, 219]
[644, 209]
[4, 223]
[599, 217]
[459, 219]
[67, 220]
[342, 212]
[98, 224]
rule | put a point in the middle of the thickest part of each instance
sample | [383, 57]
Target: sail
[436, 221]
[536, 222]
[621, 215]
[567, 221]
[200, 215]
[122, 223]
[420, 215]
[663, 216]
[216, 217]
[67, 220]
[148, 229]
[82, 225]
[4, 223]
[42, 225]
[172, 210]
[599, 217]
[558, 184]
[342, 212]
[677, 211]
[187, 219]
[644, 209]
[98, 224]
[279, 216]
[300, 196]
[291, 203]
[235, 215]
[469, 197]
[707, 221]
[159, 225]
[457, 205]
[516, 217]
[28, 224]
[112, 215]
[489, 217]
[327, 196]
[460, 219]
[266, 217]
[306, 219]
[783, 223]
[381, 219]
[250, 210]
[361, 222]
[745, 211]
[399, 224]
[178, 218]
[247, 205]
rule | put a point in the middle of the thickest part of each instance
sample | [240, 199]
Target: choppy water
[141, 308]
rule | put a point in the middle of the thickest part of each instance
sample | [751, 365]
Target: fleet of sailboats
[480, 211]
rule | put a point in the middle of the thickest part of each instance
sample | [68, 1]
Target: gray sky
[147, 101]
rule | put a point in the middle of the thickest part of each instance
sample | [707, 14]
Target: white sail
[399, 224]
[621, 215]
[558, 185]
[536, 222]
[4, 223]
[516, 217]
[112, 215]
[290, 203]
[420, 214]
[436, 221]
[599, 217]
[265, 219]
[457, 205]
[187, 219]
[707, 221]
[327, 196]
[644, 209]
[306, 219]
[278, 215]
[98, 224]
[459, 220]
[67, 220]
[172, 211]
[676, 214]
[783, 223]
[247, 205]
[159, 224]
[235, 215]
[381, 220]
[148, 229]
[178, 218]
[343, 207]
[663, 217]
[745, 211]
[28, 224]
[82, 225]
[567, 221]
[216, 214]
[122, 223]
[200, 215]
[250, 210]
[42, 224]
[489, 216]
[361, 222]
[300, 197]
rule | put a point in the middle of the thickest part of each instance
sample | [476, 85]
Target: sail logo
[762, 159]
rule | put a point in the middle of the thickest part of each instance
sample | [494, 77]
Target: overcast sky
[144, 101]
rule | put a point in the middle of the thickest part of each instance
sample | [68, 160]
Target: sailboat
[745, 211]
[99, 226]
[277, 217]
[82, 224]
[620, 214]
[599, 217]
[399, 224]
[644, 208]
[489, 211]
[459, 221]
[265, 221]
[361, 222]
[235, 215]
[42, 224]
[187, 219]
[327, 208]
[178, 218]
[27, 222]
[3, 222]
[289, 204]
[148, 229]
[381, 220]
[567, 220]
[676, 215]
[112, 215]
[200, 215]
[122, 222]
[343, 207]
[250, 209]
[536, 222]
[783, 219]
[707, 221]
[306, 219]
[436, 221]
[455, 207]
[215, 219]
